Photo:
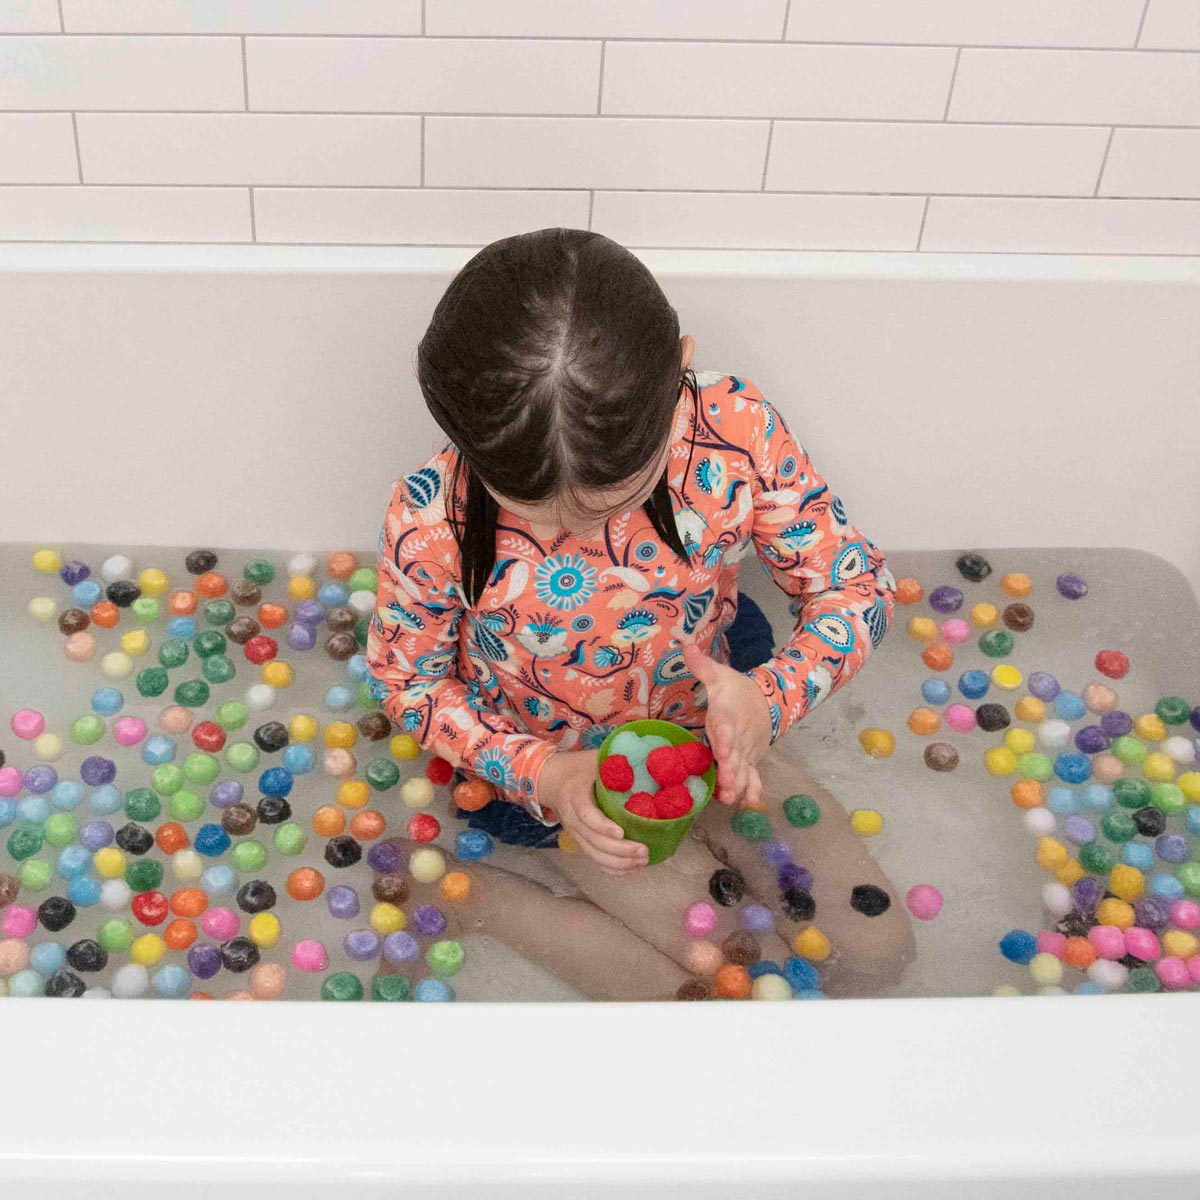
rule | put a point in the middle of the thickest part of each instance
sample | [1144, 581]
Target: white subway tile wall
[1043, 126]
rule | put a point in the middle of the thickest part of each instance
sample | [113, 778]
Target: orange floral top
[574, 635]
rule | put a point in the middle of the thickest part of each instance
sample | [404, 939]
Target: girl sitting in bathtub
[568, 563]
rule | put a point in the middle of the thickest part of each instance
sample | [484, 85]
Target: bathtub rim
[936, 1124]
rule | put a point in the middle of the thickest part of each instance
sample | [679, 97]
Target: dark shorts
[751, 642]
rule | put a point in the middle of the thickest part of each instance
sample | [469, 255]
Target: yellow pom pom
[47, 747]
[302, 728]
[427, 865]
[1006, 676]
[1045, 969]
[1030, 708]
[116, 665]
[42, 608]
[1189, 784]
[878, 743]
[999, 760]
[153, 582]
[49, 562]
[1180, 944]
[147, 950]
[404, 746]
[566, 843]
[353, 793]
[1112, 911]
[922, 629]
[983, 616]
[340, 735]
[866, 821]
[278, 674]
[812, 944]
[416, 792]
[387, 918]
[1126, 883]
[1051, 854]
[1070, 872]
[1150, 727]
[264, 929]
[109, 863]
[302, 587]
[1159, 767]
[1020, 741]
[135, 643]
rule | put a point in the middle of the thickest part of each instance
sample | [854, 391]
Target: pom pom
[641, 804]
[672, 801]
[616, 774]
[697, 757]
[423, 827]
[666, 766]
[438, 771]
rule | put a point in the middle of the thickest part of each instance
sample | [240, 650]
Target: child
[568, 563]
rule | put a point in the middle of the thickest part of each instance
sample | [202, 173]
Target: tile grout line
[924, 214]
[423, 4]
[591, 206]
[253, 225]
[950, 92]
[600, 86]
[62, 21]
[762, 187]
[591, 37]
[78, 154]
[1137, 41]
[580, 188]
[1103, 163]
[590, 116]
[422, 179]
[787, 16]
[634, 246]
[245, 79]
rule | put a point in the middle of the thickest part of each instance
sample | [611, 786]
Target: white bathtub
[993, 400]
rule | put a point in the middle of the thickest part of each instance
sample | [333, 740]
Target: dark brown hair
[552, 362]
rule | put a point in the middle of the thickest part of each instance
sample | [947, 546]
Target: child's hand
[738, 725]
[565, 783]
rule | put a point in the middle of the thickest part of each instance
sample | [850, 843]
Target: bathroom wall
[932, 125]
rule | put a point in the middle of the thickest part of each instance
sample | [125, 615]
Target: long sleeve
[842, 591]
[412, 655]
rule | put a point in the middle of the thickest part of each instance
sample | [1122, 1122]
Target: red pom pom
[260, 648]
[672, 801]
[616, 774]
[423, 827]
[641, 804]
[208, 736]
[697, 757]
[149, 907]
[439, 771]
[1112, 663]
[666, 766]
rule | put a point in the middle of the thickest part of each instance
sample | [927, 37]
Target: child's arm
[411, 654]
[842, 591]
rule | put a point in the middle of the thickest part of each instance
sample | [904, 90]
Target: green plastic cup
[661, 838]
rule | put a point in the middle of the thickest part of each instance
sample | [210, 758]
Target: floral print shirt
[574, 635]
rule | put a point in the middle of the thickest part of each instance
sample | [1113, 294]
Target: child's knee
[870, 954]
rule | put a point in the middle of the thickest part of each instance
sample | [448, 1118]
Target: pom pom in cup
[660, 837]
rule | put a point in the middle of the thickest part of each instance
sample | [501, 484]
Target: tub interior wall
[212, 395]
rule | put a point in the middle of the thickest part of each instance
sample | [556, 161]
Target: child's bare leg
[869, 953]
[652, 901]
[572, 938]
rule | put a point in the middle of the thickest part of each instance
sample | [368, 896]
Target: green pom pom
[751, 824]
[802, 811]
